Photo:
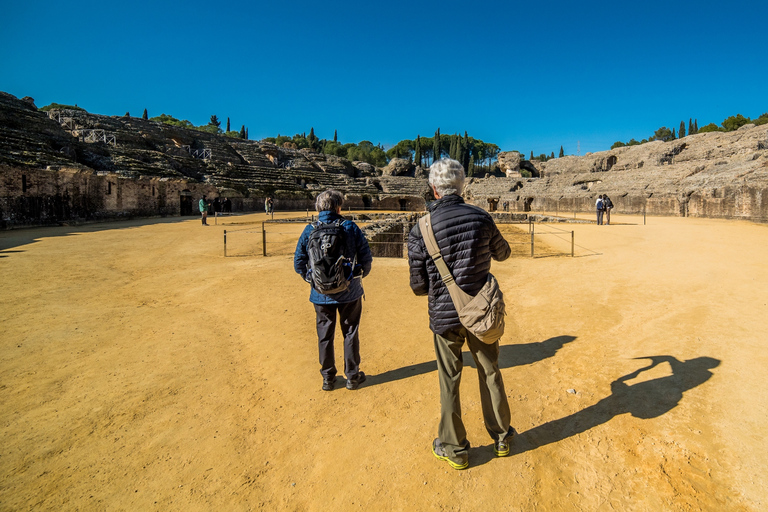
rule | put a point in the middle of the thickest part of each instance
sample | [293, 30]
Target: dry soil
[140, 369]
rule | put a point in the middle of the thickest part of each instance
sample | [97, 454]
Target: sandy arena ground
[141, 370]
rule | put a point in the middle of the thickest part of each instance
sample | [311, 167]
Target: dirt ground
[140, 369]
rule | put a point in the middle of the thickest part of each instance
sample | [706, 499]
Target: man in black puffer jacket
[468, 240]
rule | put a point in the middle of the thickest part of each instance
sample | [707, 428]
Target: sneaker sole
[501, 453]
[449, 461]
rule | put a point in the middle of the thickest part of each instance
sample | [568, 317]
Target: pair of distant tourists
[468, 240]
[603, 205]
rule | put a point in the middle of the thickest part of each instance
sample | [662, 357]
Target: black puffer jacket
[468, 239]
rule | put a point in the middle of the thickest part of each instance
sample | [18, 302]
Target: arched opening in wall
[109, 187]
[610, 162]
[517, 186]
[527, 204]
[23, 183]
[185, 203]
[367, 203]
[493, 204]
[403, 204]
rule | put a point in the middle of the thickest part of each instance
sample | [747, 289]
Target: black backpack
[329, 270]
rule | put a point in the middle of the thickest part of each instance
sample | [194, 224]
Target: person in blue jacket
[348, 303]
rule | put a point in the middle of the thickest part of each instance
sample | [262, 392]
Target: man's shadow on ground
[649, 399]
[509, 356]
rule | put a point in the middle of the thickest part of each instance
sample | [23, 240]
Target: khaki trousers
[493, 398]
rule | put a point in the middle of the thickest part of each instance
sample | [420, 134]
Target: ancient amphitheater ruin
[73, 166]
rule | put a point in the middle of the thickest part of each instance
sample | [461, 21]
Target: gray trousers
[493, 398]
[349, 318]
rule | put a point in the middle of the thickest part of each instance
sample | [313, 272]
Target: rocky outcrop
[72, 166]
[398, 167]
[509, 163]
[708, 175]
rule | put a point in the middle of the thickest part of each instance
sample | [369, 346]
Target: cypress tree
[552, 155]
[695, 126]
[466, 150]
[246, 134]
[242, 132]
[673, 134]
[682, 129]
[690, 126]
[144, 115]
[561, 152]
[531, 155]
[436, 147]
[335, 138]
[227, 124]
[417, 156]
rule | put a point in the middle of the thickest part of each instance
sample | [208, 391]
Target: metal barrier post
[531, 244]
[225, 243]
[263, 240]
[572, 244]
[643, 215]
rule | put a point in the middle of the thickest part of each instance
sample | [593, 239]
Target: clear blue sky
[527, 76]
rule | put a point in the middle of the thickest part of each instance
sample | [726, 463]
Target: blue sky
[526, 76]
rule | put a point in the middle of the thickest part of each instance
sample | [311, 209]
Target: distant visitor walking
[203, 207]
[333, 256]
[608, 204]
[600, 208]
[468, 240]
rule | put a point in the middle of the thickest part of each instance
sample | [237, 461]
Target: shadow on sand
[509, 356]
[649, 399]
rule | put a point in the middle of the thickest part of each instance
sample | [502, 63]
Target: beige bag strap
[459, 297]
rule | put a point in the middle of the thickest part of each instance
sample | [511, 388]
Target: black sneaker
[439, 451]
[329, 384]
[501, 448]
[356, 381]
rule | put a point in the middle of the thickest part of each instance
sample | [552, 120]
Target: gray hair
[447, 176]
[329, 200]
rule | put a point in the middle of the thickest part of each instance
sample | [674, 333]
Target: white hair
[447, 176]
[329, 200]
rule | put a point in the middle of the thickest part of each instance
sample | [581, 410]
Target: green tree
[690, 126]
[695, 126]
[144, 115]
[436, 150]
[335, 136]
[711, 127]
[242, 132]
[663, 134]
[562, 153]
[763, 119]
[681, 133]
[531, 155]
[417, 151]
[166, 119]
[617, 144]
[735, 122]
[227, 124]
[59, 106]
[214, 121]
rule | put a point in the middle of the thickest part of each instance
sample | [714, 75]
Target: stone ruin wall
[718, 175]
[49, 174]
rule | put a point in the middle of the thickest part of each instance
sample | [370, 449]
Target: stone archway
[186, 203]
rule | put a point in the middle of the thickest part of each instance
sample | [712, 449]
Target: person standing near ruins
[608, 205]
[203, 207]
[600, 207]
[468, 240]
[348, 303]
